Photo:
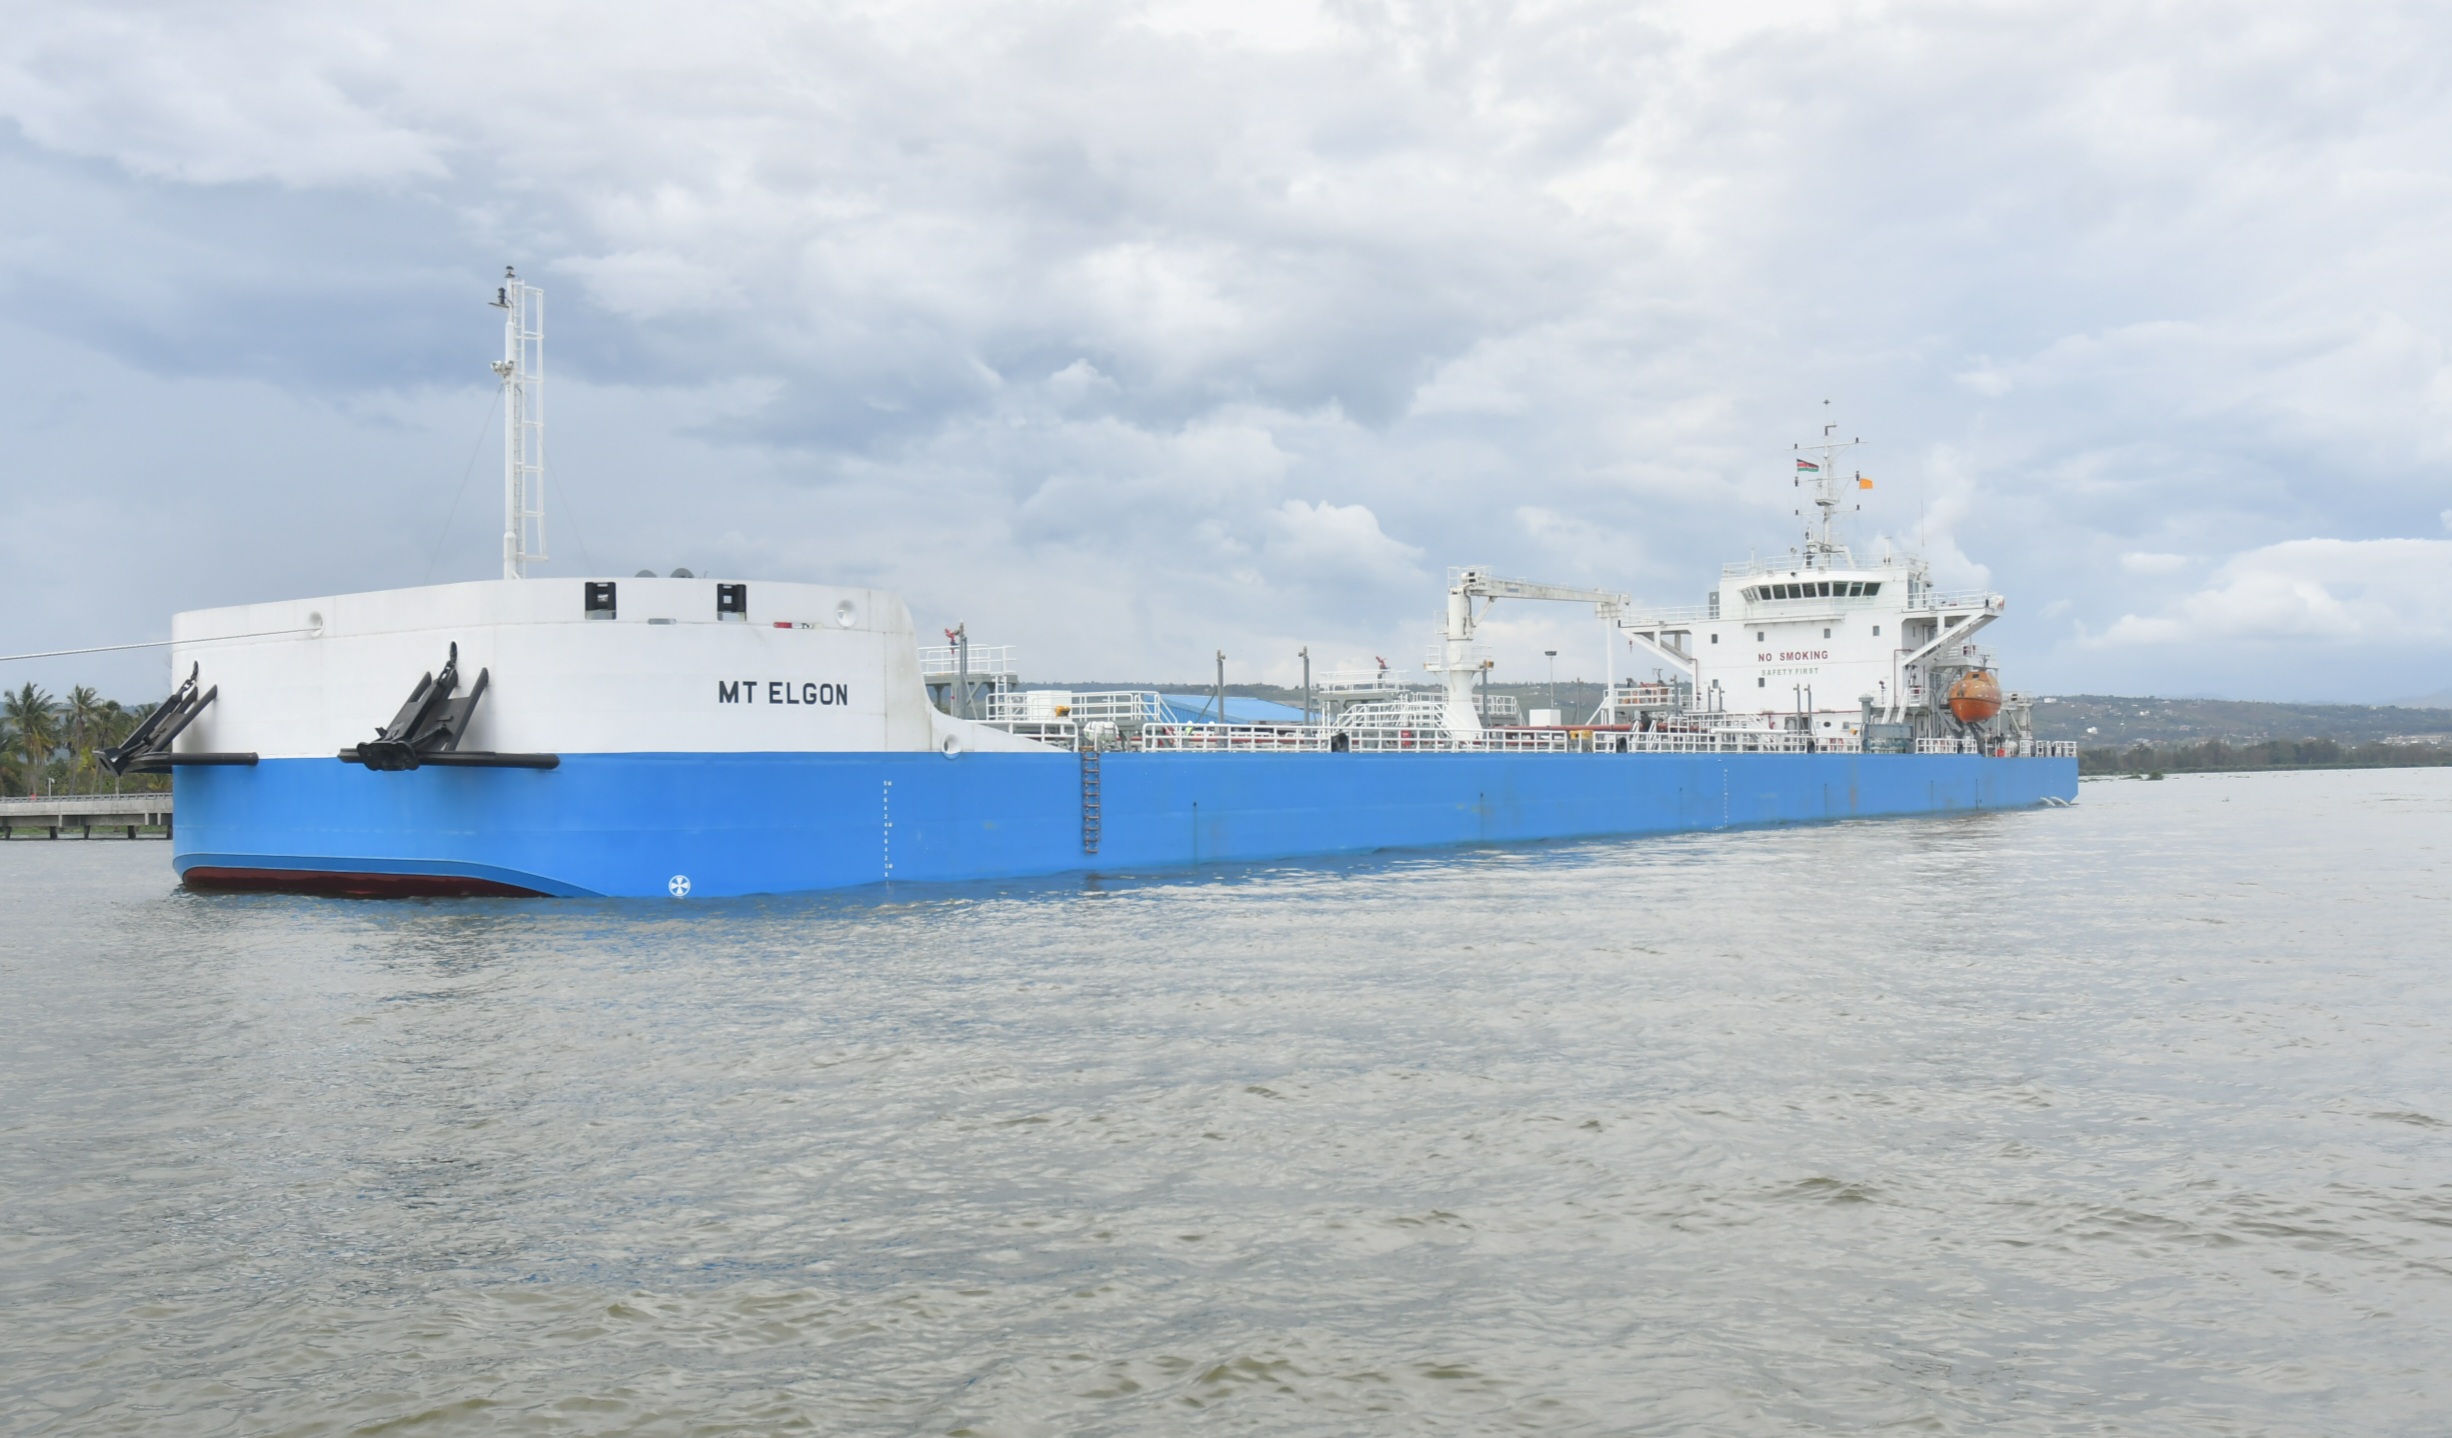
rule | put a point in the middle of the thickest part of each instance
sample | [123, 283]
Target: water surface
[2128, 1118]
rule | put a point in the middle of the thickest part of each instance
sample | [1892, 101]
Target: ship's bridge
[1783, 591]
[1799, 639]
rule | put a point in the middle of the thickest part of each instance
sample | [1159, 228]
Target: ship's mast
[1822, 533]
[522, 370]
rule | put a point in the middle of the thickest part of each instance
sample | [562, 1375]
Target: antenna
[1821, 534]
[522, 370]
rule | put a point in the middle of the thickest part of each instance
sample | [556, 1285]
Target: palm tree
[109, 728]
[84, 713]
[118, 721]
[34, 716]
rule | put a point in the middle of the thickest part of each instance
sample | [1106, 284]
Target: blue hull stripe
[628, 824]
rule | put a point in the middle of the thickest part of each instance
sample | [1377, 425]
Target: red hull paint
[351, 886]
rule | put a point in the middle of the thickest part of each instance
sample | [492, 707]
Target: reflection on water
[2125, 1118]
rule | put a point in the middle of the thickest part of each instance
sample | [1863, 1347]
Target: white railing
[1236, 738]
[987, 660]
[1063, 733]
[1125, 708]
[1663, 618]
[1292, 738]
[1963, 599]
[1650, 694]
[1359, 681]
[1314, 738]
[1116, 706]
[1406, 709]
[2001, 748]
[1795, 563]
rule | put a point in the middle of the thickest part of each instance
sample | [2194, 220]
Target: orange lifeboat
[1976, 697]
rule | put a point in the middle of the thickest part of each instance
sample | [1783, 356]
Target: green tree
[34, 721]
[84, 714]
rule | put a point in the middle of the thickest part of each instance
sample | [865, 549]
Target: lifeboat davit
[1976, 697]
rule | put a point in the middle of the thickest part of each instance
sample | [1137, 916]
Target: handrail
[1319, 738]
[987, 660]
[1961, 599]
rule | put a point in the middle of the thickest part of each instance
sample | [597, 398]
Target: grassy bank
[2221, 756]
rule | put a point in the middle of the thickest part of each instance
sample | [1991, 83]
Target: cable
[470, 469]
[148, 644]
[573, 511]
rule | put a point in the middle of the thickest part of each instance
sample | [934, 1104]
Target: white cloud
[1339, 539]
[1142, 309]
[282, 94]
[2335, 591]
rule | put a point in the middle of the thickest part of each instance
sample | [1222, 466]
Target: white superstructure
[1817, 646]
[640, 665]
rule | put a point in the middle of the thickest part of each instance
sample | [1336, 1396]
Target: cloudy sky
[1127, 332]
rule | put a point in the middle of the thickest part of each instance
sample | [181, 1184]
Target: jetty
[129, 816]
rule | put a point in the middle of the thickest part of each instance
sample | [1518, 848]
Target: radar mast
[522, 371]
[1822, 547]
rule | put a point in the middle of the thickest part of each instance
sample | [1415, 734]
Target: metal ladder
[1089, 798]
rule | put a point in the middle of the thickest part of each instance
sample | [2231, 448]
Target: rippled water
[2126, 1118]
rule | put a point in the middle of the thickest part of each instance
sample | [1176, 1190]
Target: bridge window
[1873, 589]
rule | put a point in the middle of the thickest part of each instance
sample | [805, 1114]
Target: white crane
[1456, 662]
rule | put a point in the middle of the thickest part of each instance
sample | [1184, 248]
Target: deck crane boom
[1456, 663]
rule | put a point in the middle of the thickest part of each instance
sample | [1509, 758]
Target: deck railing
[1315, 738]
[938, 661]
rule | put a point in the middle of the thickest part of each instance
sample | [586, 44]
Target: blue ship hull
[720, 824]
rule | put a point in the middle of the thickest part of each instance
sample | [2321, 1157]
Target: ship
[681, 736]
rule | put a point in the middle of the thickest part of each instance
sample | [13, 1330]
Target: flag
[1863, 483]
[1807, 466]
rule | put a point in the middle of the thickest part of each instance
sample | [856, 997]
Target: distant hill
[2441, 700]
[2096, 720]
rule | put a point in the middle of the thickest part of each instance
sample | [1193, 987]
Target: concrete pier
[124, 815]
